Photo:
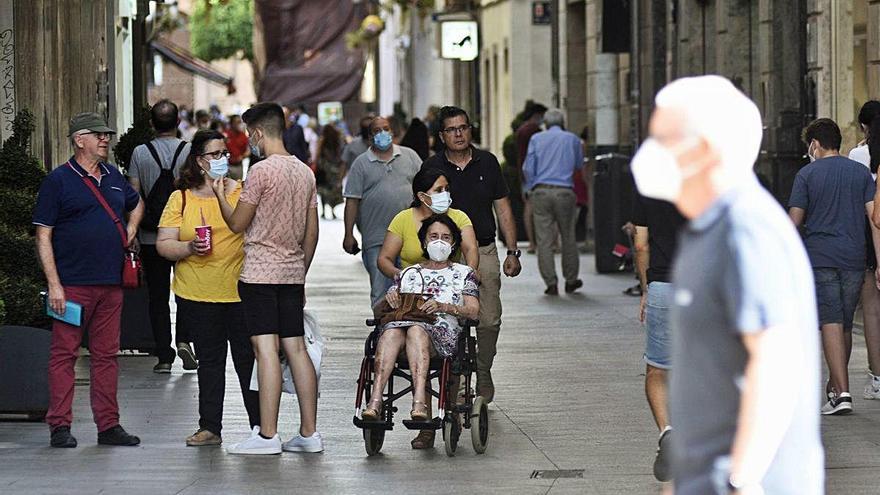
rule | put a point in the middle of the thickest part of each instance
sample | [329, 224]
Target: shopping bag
[315, 349]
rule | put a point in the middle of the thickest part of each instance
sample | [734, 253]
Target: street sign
[459, 40]
[329, 112]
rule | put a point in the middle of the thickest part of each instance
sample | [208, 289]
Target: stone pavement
[570, 396]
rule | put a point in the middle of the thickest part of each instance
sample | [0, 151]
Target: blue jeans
[658, 342]
[837, 295]
[379, 283]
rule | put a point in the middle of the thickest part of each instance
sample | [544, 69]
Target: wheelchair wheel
[451, 433]
[373, 440]
[480, 425]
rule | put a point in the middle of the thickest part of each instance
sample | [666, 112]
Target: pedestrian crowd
[224, 214]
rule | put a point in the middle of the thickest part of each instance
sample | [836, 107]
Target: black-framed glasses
[215, 155]
[100, 135]
[457, 130]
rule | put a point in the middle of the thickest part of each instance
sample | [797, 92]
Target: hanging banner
[7, 69]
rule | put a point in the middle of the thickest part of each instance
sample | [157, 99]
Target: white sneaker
[300, 443]
[872, 387]
[256, 445]
[838, 404]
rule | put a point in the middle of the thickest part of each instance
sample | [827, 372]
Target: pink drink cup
[203, 232]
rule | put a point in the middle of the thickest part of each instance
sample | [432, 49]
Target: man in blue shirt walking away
[553, 157]
[830, 198]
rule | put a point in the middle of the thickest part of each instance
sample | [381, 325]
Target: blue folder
[72, 312]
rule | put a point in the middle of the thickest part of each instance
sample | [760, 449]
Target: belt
[551, 186]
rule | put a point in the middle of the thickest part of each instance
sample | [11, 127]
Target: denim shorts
[837, 294]
[658, 341]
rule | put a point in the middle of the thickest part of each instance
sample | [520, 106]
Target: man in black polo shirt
[477, 187]
[657, 225]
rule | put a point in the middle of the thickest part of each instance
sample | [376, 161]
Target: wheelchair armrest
[372, 322]
[471, 323]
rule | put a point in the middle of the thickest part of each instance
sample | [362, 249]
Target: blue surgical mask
[382, 140]
[219, 167]
[440, 202]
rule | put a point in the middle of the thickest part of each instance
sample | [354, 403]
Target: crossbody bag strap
[100, 197]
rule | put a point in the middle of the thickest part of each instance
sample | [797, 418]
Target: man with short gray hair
[551, 162]
[743, 313]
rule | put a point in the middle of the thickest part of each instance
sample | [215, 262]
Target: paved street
[570, 396]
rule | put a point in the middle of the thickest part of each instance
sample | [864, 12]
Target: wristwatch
[514, 252]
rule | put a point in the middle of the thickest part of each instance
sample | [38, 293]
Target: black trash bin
[613, 190]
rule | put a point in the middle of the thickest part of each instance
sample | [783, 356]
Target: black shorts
[273, 308]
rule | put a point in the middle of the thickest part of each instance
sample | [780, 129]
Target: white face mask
[811, 153]
[440, 202]
[656, 171]
[439, 250]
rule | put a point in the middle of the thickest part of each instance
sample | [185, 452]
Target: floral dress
[449, 286]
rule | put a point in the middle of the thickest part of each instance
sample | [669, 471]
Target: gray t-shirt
[144, 168]
[740, 269]
[383, 188]
[833, 191]
[353, 150]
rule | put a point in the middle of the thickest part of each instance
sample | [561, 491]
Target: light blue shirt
[552, 159]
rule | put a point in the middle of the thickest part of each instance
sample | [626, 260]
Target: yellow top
[211, 278]
[406, 227]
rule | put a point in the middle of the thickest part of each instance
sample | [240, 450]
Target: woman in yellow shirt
[206, 281]
[430, 197]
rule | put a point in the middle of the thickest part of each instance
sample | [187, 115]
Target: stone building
[798, 59]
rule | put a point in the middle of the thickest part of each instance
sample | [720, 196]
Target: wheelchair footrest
[434, 424]
[372, 425]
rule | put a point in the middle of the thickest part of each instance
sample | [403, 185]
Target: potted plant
[24, 341]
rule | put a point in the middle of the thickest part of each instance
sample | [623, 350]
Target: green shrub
[139, 133]
[21, 278]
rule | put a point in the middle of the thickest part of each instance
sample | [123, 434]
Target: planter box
[24, 358]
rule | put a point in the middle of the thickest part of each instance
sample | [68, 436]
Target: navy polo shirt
[87, 245]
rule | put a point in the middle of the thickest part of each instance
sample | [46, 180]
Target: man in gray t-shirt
[743, 315]
[379, 186]
[143, 171]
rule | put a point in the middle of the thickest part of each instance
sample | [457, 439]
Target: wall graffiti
[7, 81]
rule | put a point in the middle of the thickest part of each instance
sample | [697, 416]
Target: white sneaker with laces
[872, 387]
[300, 443]
[838, 404]
[256, 445]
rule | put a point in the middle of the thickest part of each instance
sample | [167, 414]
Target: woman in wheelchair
[454, 295]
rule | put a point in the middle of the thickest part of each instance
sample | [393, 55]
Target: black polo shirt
[474, 189]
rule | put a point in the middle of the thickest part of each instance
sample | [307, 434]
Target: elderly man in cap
[743, 313]
[81, 245]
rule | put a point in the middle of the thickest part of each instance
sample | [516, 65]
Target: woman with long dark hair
[330, 169]
[868, 153]
[208, 259]
[416, 138]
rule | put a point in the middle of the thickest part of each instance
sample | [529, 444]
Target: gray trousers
[554, 208]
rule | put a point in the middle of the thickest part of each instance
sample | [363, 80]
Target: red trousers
[102, 310]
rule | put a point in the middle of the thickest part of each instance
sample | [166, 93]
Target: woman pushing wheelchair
[430, 298]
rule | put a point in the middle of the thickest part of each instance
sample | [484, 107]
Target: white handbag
[315, 348]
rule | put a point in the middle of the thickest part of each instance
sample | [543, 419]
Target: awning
[188, 62]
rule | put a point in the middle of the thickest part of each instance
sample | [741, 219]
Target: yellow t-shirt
[211, 278]
[405, 226]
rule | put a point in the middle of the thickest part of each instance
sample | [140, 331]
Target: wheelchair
[460, 411]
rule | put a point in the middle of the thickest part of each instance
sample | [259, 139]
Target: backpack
[163, 187]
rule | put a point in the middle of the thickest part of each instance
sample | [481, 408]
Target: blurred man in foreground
[744, 307]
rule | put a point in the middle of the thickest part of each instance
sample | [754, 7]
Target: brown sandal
[424, 440]
[419, 411]
[372, 413]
